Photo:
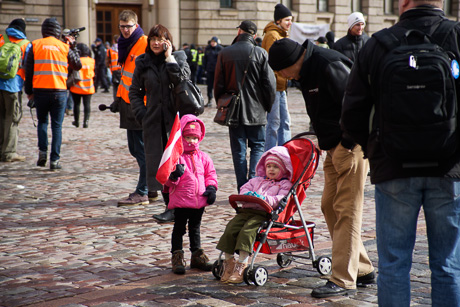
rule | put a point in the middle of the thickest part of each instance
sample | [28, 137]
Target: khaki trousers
[345, 173]
[10, 115]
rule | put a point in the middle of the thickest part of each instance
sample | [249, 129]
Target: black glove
[211, 194]
[114, 106]
[179, 171]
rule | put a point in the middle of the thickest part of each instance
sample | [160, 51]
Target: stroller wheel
[217, 269]
[259, 276]
[246, 277]
[324, 265]
[284, 260]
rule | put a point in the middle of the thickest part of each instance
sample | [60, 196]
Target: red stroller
[281, 233]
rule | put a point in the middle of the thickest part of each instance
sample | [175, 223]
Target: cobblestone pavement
[64, 241]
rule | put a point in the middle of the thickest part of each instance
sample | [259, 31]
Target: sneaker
[331, 289]
[14, 158]
[134, 199]
[153, 196]
[55, 165]
[363, 281]
[237, 275]
[200, 261]
[41, 158]
[227, 269]
[178, 262]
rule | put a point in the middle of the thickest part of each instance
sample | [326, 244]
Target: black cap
[248, 26]
[281, 12]
[284, 53]
[322, 40]
[18, 24]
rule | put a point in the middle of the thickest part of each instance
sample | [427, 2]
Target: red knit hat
[271, 158]
[192, 128]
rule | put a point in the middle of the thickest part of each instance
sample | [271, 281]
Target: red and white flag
[173, 150]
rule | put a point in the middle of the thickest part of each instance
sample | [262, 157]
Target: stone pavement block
[64, 241]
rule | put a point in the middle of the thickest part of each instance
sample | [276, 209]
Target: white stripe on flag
[169, 149]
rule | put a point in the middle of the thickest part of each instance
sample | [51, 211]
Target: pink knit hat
[271, 158]
[192, 128]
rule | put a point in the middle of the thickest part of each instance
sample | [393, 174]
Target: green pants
[241, 231]
[10, 115]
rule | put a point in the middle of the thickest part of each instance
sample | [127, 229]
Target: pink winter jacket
[272, 190]
[187, 191]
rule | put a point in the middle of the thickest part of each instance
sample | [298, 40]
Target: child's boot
[227, 269]
[237, 275]
[200, 261]
[178, 262]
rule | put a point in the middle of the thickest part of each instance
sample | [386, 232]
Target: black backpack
[418, 105]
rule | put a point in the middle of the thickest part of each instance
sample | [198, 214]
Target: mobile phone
[165, 47]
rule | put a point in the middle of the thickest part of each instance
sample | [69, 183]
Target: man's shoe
[41, 158]
[54, 165]
[153, 196]
[331, 289]
[106, 91]
[134, 199]
[14, 158]
[167, 216]
[367, 279]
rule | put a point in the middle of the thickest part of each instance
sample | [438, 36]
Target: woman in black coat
[155, 70]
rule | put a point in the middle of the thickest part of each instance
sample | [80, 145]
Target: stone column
[169, 16]
[77, 16]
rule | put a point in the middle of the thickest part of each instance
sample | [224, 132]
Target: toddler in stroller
[273, 182]
[273, 228]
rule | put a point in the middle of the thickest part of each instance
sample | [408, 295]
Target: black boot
[86, 120]
[168, 215]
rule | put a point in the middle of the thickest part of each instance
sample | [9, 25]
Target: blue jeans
[240, 138]
[278, 129]
[54, 104]
[398, 204]
[136, 149]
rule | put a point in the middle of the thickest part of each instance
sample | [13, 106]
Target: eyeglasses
[157, 40]
[124, 27]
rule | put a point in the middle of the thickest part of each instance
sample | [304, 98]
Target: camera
[72, 32]
[31, 104]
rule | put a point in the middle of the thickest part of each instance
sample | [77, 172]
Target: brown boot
[200, 261]
[227, 269]
[238, 271]
[178, 262]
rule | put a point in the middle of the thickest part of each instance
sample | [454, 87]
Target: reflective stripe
[51, 62]
[50, 73]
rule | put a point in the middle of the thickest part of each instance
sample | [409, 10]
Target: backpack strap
[387, 39]
[441, 33]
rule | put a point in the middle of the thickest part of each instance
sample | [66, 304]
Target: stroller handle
[235, 198]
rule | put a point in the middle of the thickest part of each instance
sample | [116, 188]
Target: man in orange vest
[46, 75]
[112, 63]
[131, 44]
[11, 96]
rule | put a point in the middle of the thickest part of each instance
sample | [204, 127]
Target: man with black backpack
[401, 106]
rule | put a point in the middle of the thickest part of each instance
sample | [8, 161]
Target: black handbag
[72, 78]
[187, 98]
[228, 104]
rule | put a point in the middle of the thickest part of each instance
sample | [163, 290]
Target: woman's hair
[159, 31]
[84, 50]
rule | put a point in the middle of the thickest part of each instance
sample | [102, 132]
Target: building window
[226, 3]
[356, 6]
[323, 6]
[447, 7]
[388, 7]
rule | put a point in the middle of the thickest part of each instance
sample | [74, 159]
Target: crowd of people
[343, 101]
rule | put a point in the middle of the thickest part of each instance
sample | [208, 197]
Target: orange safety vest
[21, 71]
[50, 63]
[112, 55]
[86, 85]
[127, 69]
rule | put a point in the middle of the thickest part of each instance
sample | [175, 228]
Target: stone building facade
[196, 21]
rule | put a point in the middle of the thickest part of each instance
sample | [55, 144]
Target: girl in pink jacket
[192, 187]
[273, 182]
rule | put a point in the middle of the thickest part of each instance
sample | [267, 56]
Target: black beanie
[284, 53]
[18, 24]
[281, 12]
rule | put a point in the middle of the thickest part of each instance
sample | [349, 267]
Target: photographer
[48, 89]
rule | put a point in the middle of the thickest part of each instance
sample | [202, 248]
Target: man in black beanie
[11, 95]
[323, 75]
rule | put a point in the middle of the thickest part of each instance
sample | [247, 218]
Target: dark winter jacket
[350, 45]
[258, 92]
[360, 100]
[210, 57]
[323, 78]
[152, 77]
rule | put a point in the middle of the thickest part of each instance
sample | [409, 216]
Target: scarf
[125, 44]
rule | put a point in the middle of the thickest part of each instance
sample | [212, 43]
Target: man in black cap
[11, 96]
[100, 54]
[209, 64]
[323, 75]
[257, 93]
